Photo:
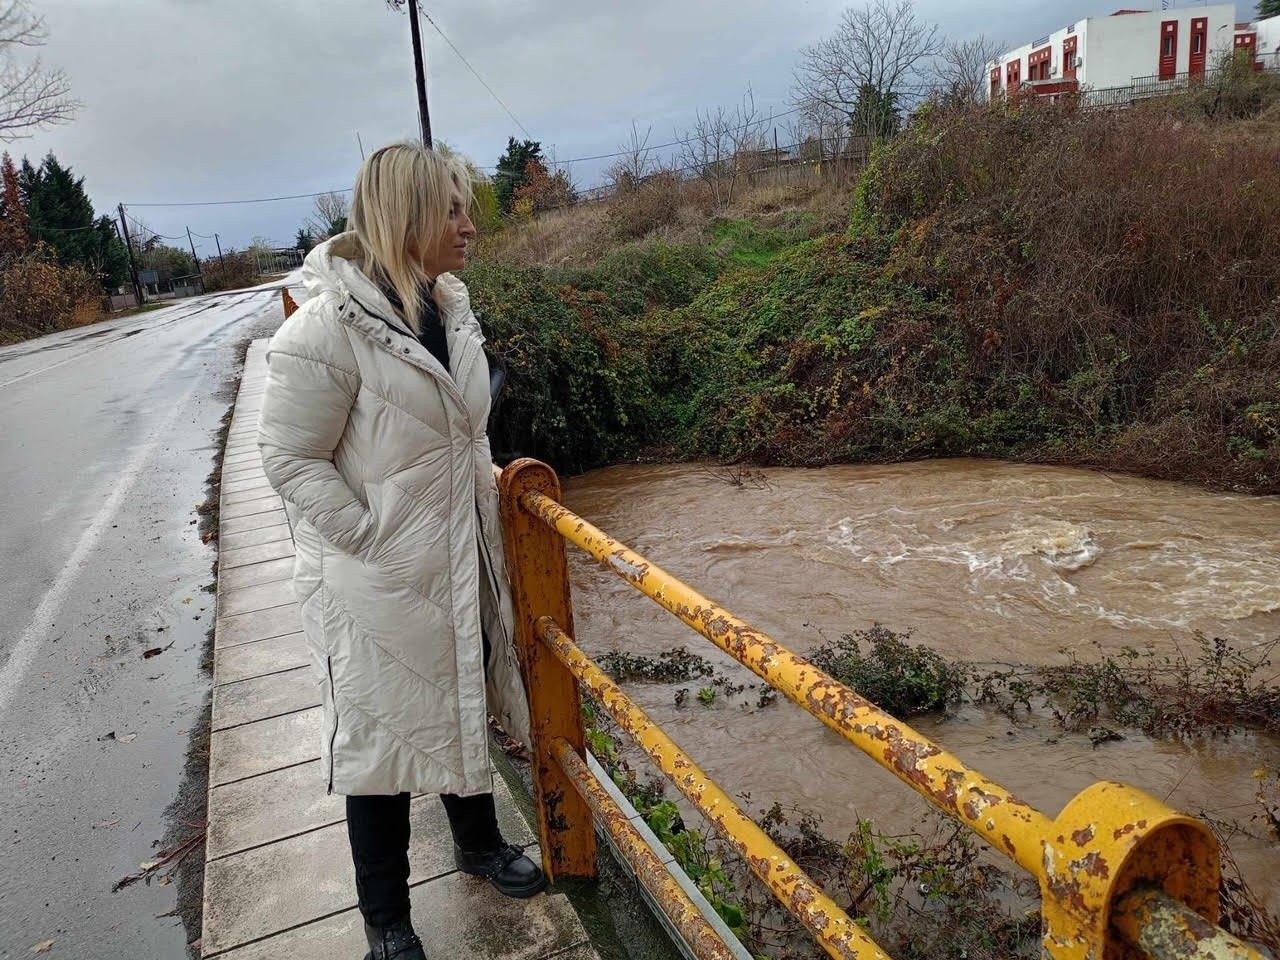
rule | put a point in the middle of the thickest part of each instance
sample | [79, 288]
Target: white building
[1269, 42]
[1133, 52]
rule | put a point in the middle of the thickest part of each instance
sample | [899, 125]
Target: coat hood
[337, 266]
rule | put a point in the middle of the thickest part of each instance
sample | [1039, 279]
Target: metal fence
[280, 260]
[1120, 873]
[1150, 87]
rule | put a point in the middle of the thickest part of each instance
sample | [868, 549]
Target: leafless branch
[636, 161]
[882, 47]
[31, 95]
[718, 137]
[330, 215]
[960, 72]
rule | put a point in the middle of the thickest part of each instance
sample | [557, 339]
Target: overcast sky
[188, 100]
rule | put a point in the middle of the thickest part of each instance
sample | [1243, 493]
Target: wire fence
[722, 177]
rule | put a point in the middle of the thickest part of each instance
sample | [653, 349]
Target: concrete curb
[278, 876]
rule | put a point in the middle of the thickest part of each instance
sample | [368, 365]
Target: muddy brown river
[983, 561]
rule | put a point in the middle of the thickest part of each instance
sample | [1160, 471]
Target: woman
[373, 431]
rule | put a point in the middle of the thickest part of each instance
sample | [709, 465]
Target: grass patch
[746, 243]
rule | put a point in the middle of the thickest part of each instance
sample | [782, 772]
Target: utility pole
[199, 272]
[420, 73]
[218, 243]
[133, 267]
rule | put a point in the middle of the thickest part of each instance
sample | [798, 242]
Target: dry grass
[560, 237]
[667, 210]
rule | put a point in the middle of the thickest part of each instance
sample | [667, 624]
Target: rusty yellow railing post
[290, 304]
[540, 587]
[1108, 841]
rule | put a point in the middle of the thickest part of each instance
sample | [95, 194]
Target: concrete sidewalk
[278, 875]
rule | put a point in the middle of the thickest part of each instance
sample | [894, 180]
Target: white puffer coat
[382, 458]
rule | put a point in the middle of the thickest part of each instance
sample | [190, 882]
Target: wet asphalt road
[109, 434]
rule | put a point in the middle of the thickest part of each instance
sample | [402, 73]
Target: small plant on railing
[690, 849]
[897, 676]
[688, 846]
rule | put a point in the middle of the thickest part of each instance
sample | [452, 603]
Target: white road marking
[43, 620]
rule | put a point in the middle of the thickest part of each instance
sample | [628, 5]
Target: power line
[223, 203]
[41, 229]
[475, 73]
[678, 143]
[147, 231]
[672, 143]
[598, 156]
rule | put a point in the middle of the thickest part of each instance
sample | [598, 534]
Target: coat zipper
[333, 698]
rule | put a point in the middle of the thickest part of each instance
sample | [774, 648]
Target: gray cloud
[230, 99]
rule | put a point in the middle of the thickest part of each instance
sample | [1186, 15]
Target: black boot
[506, 867]
[396, 942]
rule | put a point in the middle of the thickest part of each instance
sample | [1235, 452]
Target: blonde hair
[400, 210]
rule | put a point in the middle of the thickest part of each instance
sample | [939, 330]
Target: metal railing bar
[1006, 822]
[1164, 929]
[657, 879]
[831, 927]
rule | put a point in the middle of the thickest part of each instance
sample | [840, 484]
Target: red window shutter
[1168, 49]
[1199, 45]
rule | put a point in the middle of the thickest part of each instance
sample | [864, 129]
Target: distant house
[1131, 54]
[749, 160]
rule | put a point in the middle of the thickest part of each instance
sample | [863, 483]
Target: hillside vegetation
[1026, 282]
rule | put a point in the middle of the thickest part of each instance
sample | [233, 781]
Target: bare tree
[330, 216]
[871, 67]
[713, 146]
[826, 131]
[31, 94]
[960, 73]
[636, 161]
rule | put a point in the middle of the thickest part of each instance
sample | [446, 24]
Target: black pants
[378, 827]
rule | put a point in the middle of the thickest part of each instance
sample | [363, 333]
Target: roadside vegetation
[1029, 282]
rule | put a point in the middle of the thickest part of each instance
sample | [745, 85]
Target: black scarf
[432, 336]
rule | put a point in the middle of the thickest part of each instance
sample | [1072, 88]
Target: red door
[1199, 45]
[1247, 46]
[1069, 49]
[1168, 49]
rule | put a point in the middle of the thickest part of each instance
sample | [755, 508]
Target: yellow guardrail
[1121, 874]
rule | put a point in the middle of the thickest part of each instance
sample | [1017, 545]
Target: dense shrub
[37, 296]
[1122, 266]
[230, 272]
[641, 208]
